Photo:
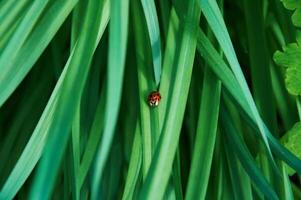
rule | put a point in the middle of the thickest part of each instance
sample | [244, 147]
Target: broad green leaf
[292, 141]
[151, 17]
[294, 5]
[116, 62]
[290, 59]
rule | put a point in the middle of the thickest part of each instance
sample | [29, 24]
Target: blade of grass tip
[10, 12]
[148, 117]
[70, 94]
[116, 62]
[205, 137]
[134, 166]
[245, 157]
[152, 22]
[34, 46]
[161, 166]
[217, 24]
[222, 71]
[20, 35]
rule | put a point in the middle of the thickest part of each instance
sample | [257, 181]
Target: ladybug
[154, 98]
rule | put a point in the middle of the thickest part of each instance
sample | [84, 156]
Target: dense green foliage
[75, 122]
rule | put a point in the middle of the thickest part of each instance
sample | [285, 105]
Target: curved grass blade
[161, 166]
[220, 68]
[241, 189]
[116, 62]
[35, 146]
[77, 23]
[217, 24]
[245, 157]
[34, 46]
[94, 138]
[168, 64]
[33, 150]
[20, 35]
[10, 12]
[205, 137]
[134, 167]
[70, 94]
[152, 22]
[148, 117]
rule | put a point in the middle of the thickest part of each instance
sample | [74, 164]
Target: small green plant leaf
[290, 59]
[296, 6]
[292, 141]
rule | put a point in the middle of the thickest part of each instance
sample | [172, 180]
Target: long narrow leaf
[154, 35]
[205, 137]
[217, 24]
[116, 63]
[161, 166]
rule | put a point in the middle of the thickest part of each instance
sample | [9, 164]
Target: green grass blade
[134, 166]
[10, 12]
[161, 166]
[217, 24]
[116, 62]
[34, 148]
[241, 189]
[77, 24]
[32, 49]
[148, 117]
[168, 64]
[205, 137]
[20, 35]
[154, 35]
[245, 157]
[259, 62]
[70, 94]
[93, 140]
[221, 70]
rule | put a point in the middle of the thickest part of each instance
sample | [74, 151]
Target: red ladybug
[154, 98]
